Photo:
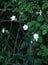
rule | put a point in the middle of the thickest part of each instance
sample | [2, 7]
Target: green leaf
[23, 17]
[29, 51]
[45, 52]
[37, 24]
[43, 27]
[45, 5]
[42, 46]
[38, 61]
[44, 32]
[40, 18]
[40, 39]
[23, 45]
[1, 58]
[39, 53]
[29, 24]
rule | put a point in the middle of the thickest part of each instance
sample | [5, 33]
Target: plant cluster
[24, 32]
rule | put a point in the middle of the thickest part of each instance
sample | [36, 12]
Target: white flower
[7, 31]
[31, 41]
[40, 12]
[36, 36]
[25, 27]
[3, 30]
[37, 13]
[13, 18]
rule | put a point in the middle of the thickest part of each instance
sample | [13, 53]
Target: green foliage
[18, 47]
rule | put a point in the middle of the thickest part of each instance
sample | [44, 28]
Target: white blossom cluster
[40, 12]
[13, 18]
[35, 36]
[4, 30]
[25, 26]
